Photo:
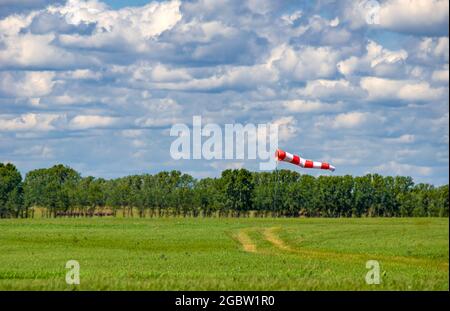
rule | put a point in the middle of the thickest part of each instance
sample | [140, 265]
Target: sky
[97, 85]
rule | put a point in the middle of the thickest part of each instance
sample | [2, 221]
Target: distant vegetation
[62, 191]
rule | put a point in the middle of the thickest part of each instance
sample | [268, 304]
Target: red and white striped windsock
[295, 159]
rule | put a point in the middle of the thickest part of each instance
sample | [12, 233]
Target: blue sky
[97, 85]
[117, 4]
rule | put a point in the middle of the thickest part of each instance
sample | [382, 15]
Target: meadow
[224, 253]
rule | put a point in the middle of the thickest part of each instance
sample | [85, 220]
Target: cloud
[299, 105]
[291, 18]
[432, 50]
[149, 21]
[331, 89]
[29, 122]
[82, 122]
[286, 128]
[387, 89]
[441, 75]
[395, 168]
[20, 53]
[160, 73]
[82, 74]
[78, 24]
[349, 120]
[239, 77]
[46, 22]
[11, 25]
[377, 60]
[207, 43]
[316, 30]
[157, 122]
[37, 151]
[26, 84]
[308, 63]
[403, 139]
[129, 26]
[143, 74]
[131, 133]
[419, 17]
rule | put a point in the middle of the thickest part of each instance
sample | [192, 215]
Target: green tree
[52, 188]
[11, 194]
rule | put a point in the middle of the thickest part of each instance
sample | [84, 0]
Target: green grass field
[224, 254]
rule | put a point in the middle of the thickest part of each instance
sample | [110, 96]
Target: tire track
[246, 242]
[272, 237]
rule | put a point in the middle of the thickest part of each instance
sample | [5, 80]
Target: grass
[224, 254]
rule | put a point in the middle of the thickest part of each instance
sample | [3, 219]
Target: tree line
[62, 191]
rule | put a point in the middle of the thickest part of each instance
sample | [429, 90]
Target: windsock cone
[281, 155]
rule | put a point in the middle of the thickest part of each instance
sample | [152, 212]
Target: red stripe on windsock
[280, 154]
[296, 160]
[325, 166]
[309, 164]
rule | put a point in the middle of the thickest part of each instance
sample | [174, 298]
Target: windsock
[281, 155]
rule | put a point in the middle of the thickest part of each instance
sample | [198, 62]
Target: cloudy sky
[96, 85]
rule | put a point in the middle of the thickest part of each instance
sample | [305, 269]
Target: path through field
[272, 235]
[246, 242]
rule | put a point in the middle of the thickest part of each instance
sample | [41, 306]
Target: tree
[11, 193]
[235, 192]
[51, 188]
[442, 200]
[238, 189]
